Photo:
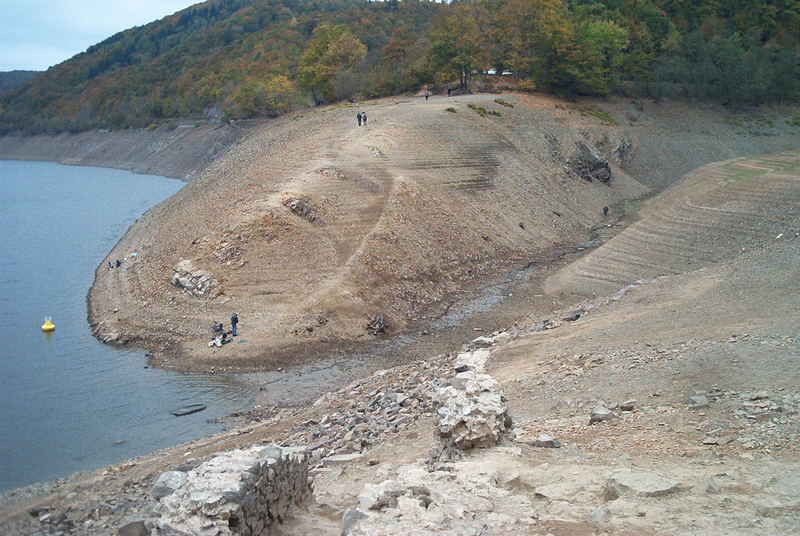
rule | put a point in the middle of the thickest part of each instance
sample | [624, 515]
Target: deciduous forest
[245, 58]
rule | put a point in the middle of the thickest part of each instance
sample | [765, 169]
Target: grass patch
[632, 207]
[590, 110]
[481, 111]
[739, 173]
[794, 120]
[450, 109]
[505, 103]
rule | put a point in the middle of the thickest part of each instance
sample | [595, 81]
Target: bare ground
[404, 216]
[717, 315]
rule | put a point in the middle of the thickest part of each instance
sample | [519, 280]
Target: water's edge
[181, 152]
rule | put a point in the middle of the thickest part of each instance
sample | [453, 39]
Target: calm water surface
[68, 402]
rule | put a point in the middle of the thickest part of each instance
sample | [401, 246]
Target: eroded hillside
[313, 225]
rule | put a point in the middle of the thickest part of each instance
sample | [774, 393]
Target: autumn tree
[327, 64]
[264, 97]
[457, 45]
[533, 31]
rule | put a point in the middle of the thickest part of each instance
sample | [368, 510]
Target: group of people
[116, 264]
[362, 118]
[218, 334]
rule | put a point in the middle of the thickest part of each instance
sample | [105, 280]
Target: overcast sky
[37, 34]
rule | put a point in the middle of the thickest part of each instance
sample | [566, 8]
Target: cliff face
[178, 152]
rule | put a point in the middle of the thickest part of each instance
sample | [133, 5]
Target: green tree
[331, 53]
[593, 59]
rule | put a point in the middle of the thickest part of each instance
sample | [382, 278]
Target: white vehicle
[491, 71]
[506, 73]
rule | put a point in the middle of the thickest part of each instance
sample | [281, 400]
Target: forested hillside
[245, 58]
[11, 79]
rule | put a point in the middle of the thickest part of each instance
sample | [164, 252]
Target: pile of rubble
[589, 164]
[471, 412]
[386, 402]
[472, 409]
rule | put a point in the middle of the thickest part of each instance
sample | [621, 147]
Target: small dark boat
[186, 410]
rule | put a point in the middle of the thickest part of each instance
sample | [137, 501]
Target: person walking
[449, 91]
[427, 94]
[359, 118]
[364, 118]
[234, 322]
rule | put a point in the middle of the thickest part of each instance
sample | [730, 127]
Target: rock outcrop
[589, 165]
[197, 282]
[239, 492]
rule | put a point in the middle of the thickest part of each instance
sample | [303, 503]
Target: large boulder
[197, 282]
[238, 492]
[474, 361]
[472, 410]
[626, 482]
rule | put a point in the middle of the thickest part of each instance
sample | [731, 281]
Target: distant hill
[243, 58]
[11, 79]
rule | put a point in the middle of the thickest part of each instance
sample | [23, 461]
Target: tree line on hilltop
[247, 58]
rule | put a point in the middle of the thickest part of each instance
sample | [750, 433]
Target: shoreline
[225, 150]
[179, 153]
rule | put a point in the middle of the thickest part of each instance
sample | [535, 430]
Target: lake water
[68, 402]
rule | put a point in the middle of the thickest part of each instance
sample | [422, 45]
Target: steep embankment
[172, 152]
[313, 224]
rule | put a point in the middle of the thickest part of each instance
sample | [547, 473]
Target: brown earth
[403, 218]
[724, 327]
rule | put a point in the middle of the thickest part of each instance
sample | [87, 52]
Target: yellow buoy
[48, 325]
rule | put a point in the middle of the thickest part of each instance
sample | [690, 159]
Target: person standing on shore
[359, 118]
[234, 322]
[427, 94]
[364, 118]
